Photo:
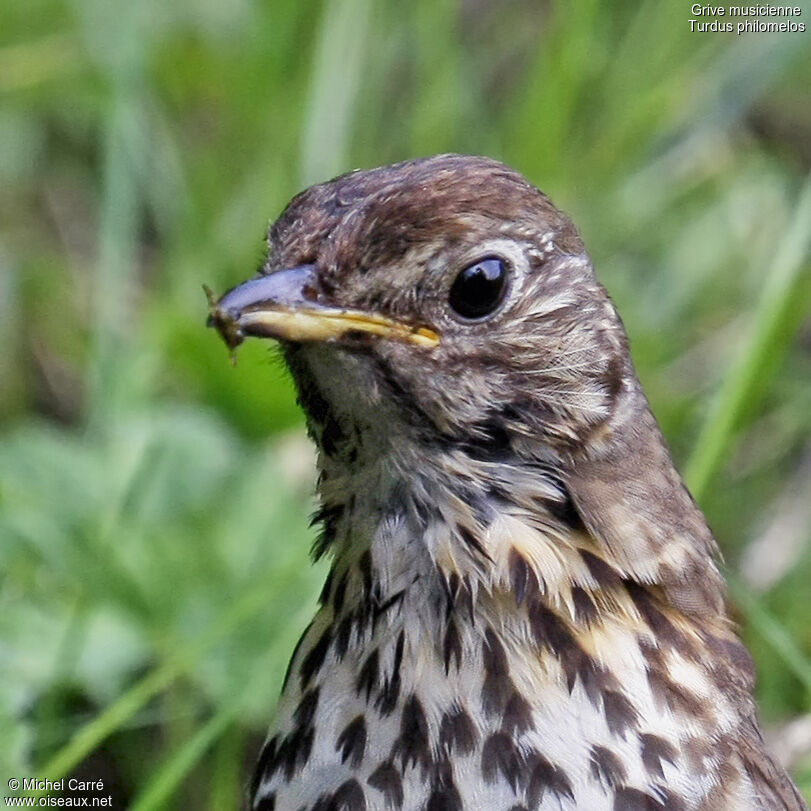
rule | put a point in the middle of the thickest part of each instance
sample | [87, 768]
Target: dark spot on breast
[340, 594]
[548, 628]
[662, 628]
[343, 636]
[517, 715]
[386, 779]
[365, 568]
[315, 658]
[594, 677]
[390, 691]
[323, 803]
[654, 751]
[367, 678]
[545, 776]
[445, 798]
[606, 767]
[472, 542]
[352, 742]
[457, 732]
[266, 765]
[620, 714]
[349, 797]
[294, 750]
[631, 799]
[305, 711]
[606, 575]
[566, 512]
[267, 803]
[328, 517]
[585, 611]
[522, 577]
[500, 756]
[667, 693]
[497, 687]
[412, 746]
[674, 696]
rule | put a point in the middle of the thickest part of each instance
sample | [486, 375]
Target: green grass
[153, 499]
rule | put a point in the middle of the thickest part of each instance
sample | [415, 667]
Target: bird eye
[479, 288]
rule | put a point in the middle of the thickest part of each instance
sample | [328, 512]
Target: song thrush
[524, 609]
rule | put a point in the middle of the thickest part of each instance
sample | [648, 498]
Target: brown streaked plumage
[524, 610]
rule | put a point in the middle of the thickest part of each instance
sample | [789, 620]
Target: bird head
[444, 293]
[443, 314]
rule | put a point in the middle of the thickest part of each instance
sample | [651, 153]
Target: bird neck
[454, 526]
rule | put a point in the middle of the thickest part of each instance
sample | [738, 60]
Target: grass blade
[771, 630]
[121, 710]
[337, 74]
[769, 341]
[163, 784]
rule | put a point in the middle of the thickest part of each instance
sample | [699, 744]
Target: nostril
[310, 292]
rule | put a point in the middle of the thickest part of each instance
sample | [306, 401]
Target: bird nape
[524, 609]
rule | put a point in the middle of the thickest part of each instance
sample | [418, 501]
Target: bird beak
[284, 305]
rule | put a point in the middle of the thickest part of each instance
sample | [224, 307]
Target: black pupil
[479, 288]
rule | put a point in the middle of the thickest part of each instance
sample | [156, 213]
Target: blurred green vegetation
[153, 499]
